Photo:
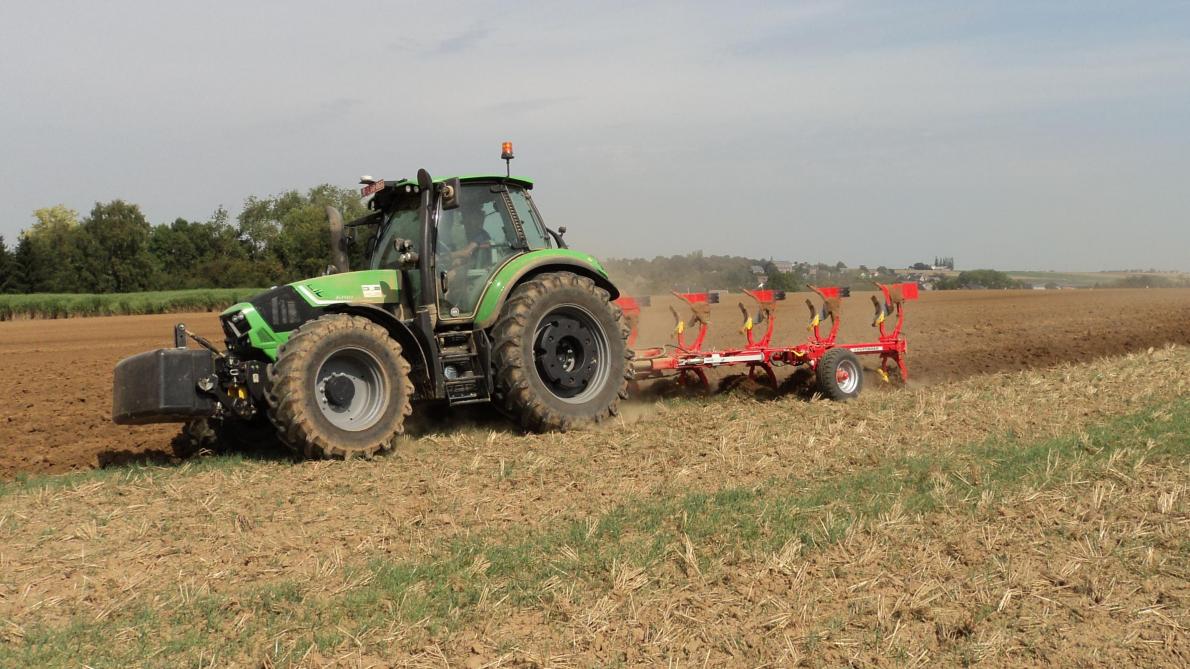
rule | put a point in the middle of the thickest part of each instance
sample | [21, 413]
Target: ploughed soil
[56, 376]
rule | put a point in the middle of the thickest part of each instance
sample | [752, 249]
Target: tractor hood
[265, 321]
[372, 286]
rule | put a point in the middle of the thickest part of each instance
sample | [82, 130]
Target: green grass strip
[67, 305]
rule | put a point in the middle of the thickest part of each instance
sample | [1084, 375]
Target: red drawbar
[829, 291]
[909, 291]
[693, 297]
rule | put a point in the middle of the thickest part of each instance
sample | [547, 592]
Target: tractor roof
[520, 181]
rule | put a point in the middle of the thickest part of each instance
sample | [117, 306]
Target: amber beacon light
[506, 154]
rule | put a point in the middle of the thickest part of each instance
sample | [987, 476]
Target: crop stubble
[1081, 568]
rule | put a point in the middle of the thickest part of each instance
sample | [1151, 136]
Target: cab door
[473, 241]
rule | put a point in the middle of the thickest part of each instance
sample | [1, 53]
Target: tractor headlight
[236, 325]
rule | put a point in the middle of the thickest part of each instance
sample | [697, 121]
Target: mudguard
[533, 262]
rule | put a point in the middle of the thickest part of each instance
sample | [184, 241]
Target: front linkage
[180, 383]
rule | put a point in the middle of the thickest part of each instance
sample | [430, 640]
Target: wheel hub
[351, 390]
[339, 390]
[847, 376]
[565, 352]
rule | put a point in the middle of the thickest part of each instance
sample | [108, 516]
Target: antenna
[506, 154]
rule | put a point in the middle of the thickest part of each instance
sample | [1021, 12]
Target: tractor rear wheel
[560, 353]
[840, 376]
[340, 389]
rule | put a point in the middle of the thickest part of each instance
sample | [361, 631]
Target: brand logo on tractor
[372, 290]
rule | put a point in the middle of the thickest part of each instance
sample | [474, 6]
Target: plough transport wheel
[839, 375]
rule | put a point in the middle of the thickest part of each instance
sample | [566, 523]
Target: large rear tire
[340, 389]
[560, 353]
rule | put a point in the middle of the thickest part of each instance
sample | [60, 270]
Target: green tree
[783, 281]
[978, 278]
[288, 232]
[6, 268]
[24, 265]
[190, 254]
[54, 238]
[114, 244]
[176, 249]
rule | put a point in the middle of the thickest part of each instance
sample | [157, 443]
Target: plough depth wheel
[840, 376]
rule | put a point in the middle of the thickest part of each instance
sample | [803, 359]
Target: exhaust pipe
[338, 247]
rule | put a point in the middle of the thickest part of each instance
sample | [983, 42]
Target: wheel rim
[847, 376]
[571, 354]
[351, 389]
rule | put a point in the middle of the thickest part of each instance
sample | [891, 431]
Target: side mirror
[406, 256]
[449, 191]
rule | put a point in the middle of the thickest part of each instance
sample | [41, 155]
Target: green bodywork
[372, 286]
[381, 287]
[262, 336]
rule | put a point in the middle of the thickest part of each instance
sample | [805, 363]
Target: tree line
[979, 278]
[114, 249]
[690, 272]
[283, 238]
[274, 240]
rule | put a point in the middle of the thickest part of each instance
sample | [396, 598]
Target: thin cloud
[455, 44]
[528, 106]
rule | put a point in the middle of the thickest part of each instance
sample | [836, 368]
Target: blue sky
[1025, 136]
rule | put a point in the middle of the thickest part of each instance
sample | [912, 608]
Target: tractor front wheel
[560, 353]
[215, 435]
[840, 376]
[340, 389]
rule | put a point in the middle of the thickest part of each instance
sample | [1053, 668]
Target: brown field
[56, 379]
[1027, 506]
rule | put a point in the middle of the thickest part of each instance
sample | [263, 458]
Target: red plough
[838, 372]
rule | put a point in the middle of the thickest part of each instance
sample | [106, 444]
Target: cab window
[535, 234]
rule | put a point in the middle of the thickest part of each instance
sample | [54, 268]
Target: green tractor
[467, 298]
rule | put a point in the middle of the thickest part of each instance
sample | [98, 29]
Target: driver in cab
[476, 237]
[471, 255]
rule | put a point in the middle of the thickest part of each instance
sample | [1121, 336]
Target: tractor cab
[486, 222]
